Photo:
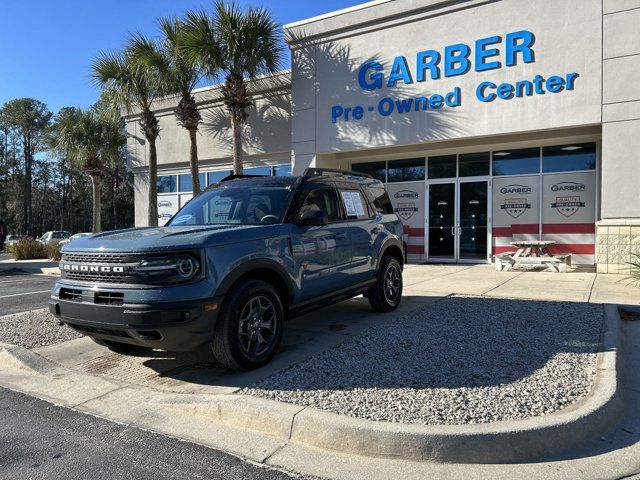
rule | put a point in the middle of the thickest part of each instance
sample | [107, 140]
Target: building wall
[618, 231]
[266, 136]
[325, 72]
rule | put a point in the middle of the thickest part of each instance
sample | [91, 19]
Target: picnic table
[533, 252]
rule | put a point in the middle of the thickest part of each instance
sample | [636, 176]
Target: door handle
[453, 230]
[340, 236]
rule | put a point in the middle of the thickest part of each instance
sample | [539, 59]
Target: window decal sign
[408, 200]
[352, 203]
[167, 208]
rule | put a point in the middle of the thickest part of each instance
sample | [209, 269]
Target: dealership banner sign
[167, 208]
[407, 200]
[428, 66]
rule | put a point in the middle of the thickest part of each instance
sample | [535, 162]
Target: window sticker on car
[353, 203]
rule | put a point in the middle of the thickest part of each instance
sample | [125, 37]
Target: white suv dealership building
[489, 122]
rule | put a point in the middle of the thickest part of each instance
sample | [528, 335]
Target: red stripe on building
[569, 228]
[416, 249]
[575, 248]
[503, 249]
[413, 232]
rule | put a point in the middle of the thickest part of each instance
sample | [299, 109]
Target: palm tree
[134, 85]
[178, 74]
[92, 139]
[235, 46]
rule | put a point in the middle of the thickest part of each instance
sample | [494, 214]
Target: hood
[171, 238]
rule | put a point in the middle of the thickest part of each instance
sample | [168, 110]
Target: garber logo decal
[567, 206]
[568, 187]
[519, 189]
[165, 203]
[406, 210]
[515, 206]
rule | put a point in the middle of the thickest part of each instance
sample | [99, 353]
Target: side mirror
[312, 218]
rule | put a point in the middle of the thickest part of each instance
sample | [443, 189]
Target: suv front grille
[117, 258]
[97, 277]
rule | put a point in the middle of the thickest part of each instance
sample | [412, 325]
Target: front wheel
[386, 294]
[249, 330]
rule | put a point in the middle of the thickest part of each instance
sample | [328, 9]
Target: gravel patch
[461, 360]
[36, 328]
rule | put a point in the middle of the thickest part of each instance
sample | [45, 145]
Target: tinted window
[215, 177]
[516, 162]
[325, 200]
[282, 170]
[354, 204]
[167, 184]
[566, 158]
[379, 199]
[186, 185]
[376, 169]
[443, 166]
[473, 164]
[406, 170]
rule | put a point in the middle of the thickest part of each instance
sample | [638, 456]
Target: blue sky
[47, 46]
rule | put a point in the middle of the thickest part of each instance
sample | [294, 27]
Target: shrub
[53, 252]
[28, 249]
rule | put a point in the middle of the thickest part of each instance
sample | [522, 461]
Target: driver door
[322, 254]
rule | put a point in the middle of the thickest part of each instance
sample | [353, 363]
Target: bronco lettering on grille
[91, 268]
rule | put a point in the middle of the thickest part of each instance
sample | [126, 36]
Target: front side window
[236, 205]
[324, 200]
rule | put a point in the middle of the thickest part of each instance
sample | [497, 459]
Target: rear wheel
[123, 348]
[386, 294]
[249, 330]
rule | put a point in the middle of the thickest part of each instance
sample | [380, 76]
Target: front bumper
[176, 327]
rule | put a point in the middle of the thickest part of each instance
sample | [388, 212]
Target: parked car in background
[233, 264]
[12, 239]
[54, 237]
[73, 237]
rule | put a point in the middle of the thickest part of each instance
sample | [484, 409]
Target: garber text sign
[488, 53]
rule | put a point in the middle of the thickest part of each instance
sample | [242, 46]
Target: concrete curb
[45, 266]
[508, 441]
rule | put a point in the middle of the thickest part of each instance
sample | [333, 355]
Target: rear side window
[354, 204]
[379, 199]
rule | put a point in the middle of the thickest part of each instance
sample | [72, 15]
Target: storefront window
[167, 184]
[215, 177]
[516, 162]
[186, 185]
[569, 158]
[376, 169]
[473, 164]
[443, 166]
[408, 170]
[257, 171]
[282, 170]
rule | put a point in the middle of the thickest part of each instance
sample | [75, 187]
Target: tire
[386, 294]
[249, 330]
[122, 348]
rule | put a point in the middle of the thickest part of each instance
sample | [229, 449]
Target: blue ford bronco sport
[233, 264]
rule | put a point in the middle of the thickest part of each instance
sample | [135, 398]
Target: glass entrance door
[473, 220]
[441, 221]
[458, 221]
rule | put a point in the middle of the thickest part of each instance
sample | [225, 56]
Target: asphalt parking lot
[21, 292]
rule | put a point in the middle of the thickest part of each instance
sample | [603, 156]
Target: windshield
[235, 205]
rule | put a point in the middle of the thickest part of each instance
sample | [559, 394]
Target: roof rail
[235, 176]
[315, 172]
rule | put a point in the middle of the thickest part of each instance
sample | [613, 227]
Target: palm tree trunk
[193, 160]
[153, 183]
[96, 180]
[237, 145]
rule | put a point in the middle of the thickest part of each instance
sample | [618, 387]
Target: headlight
[179, 268]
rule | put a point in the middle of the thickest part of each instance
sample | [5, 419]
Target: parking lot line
[16, 279]
[26, 293]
